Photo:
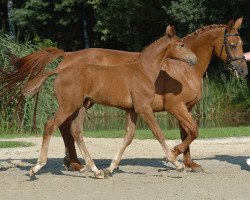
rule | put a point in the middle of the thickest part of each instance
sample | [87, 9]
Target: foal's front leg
[131, 119]
[76, 131]
[147, 115]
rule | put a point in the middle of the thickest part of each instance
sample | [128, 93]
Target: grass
[12, 144]
[146, 134]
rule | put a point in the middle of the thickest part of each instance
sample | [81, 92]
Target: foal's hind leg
[131, 119]
[76, 131]
[49, 128]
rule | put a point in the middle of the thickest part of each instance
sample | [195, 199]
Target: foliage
[188, 15]
[14, 144]
[60, 21]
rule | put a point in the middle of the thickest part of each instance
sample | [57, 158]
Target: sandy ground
[143, 174]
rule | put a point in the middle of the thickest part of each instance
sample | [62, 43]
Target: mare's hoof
[100, 175]
[31, 172]
[197, 169]
[194, 167]
[66, 163]
[107, 173]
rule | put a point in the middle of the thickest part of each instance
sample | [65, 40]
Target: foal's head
[177, 49]
[231, 51]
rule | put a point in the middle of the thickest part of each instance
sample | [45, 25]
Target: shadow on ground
[235, 160]
[55, 167]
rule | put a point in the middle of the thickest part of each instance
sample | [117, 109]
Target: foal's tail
[33, 86]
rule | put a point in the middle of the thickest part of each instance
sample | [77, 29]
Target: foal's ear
[238, 23]
[230, 26]
[170, 31]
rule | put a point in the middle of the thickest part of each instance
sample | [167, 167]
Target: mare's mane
[204, 29]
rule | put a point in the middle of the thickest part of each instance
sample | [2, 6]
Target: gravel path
[143, 174]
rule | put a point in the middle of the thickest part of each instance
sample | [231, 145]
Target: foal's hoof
[100, 175]
[107, 173]
[181, 169]
[31, 172]
[81, 170]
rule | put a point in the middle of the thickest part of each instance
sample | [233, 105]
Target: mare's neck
[152, 57]
[203, 45]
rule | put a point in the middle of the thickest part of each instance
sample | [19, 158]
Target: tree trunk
[10, 21]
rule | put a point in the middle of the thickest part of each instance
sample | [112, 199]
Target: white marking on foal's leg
[36, 168]
[113, 164]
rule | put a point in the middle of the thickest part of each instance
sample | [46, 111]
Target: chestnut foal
[128, 86]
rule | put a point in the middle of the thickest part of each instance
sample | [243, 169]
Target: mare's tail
[25, 69]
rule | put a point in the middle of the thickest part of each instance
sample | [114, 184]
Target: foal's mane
[151, 44]
[204, 29]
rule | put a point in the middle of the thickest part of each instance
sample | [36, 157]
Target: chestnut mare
[128, 86]
[178, 89]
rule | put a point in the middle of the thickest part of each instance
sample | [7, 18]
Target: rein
[228, 64]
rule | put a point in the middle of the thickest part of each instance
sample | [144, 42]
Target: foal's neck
[152, 57]
[202, 44]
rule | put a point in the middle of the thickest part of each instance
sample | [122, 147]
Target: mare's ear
[230, 26]
[238, 23]
[170, 31]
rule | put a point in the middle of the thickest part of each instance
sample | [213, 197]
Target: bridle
[228, 63]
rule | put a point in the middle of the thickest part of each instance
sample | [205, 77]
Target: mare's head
[177, 49]
[231, 51]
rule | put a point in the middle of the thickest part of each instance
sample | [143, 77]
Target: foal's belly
[113, 98]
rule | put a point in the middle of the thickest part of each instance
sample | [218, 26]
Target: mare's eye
[233, 46]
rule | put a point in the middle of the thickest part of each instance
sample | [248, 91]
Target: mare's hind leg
[131, 119]
[49, 128]
[70, 158]
[76, 131]
[187, 159]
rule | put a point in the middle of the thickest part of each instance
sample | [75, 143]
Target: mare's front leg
[76, 131]
[189, 132]
[70, 158]
[131, 119]
[147, 115]
[187, 159]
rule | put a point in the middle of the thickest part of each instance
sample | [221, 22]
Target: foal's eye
[182, 45]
